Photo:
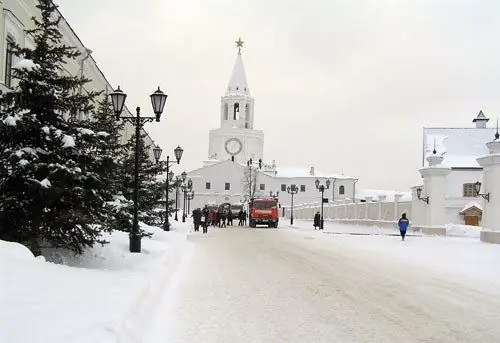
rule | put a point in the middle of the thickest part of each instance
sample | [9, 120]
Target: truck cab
[263, 211]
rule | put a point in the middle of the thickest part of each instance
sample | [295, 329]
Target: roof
[471, 205]
[238, 84]
[480, 117]
[460, 147]
[305, 172]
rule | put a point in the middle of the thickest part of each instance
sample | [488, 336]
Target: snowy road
[265, 285]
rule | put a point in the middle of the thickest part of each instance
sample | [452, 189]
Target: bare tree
[249, 181]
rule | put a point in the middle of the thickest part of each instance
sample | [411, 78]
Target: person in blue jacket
[403, 224]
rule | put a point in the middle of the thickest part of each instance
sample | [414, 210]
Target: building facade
[226, 177]
[456, 150]
[15, 20]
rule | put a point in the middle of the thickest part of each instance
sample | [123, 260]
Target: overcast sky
[345, 86]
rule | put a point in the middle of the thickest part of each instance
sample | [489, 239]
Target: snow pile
[102, 134]
[26, 64]
[85, 131]
[45, 183]
[68, 141]
[463, 231]
[100, 296]
[10, 120]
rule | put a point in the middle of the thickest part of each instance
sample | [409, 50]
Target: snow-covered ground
[105, 295]
[293, 284]
[461, 254]
[300, 285]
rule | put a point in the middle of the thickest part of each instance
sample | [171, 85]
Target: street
[268, 285]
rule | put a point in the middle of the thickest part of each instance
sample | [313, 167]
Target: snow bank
[100, 296]
[16, 251]
[463, 231]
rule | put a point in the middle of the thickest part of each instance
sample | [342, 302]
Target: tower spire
[239, 45]
[238, 84]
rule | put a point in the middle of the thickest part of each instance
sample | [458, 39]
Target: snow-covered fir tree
[151, 188]
[110, 155]
[51, 191]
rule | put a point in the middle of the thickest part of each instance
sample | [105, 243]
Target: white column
[435, 188]
[368, 201]
[381, 198]
[491, 186]
[397, 199]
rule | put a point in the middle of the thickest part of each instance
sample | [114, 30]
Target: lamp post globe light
[170, 175]
[292, 191]
[274, 195]
[322, 188]
[158, 101]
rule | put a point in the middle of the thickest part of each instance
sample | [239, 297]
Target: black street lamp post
[292, 191]
[186, 187]
[170, 175]
[274, 195]
[158, 100]
[177, 184]
[322, 188]
[189, 197]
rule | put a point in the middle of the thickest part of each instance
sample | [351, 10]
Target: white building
[15, 19]
[459, 148]
[222, 177]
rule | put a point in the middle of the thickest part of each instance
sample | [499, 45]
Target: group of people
[220, 218]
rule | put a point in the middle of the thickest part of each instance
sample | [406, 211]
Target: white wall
[16, 18]
[456, 178]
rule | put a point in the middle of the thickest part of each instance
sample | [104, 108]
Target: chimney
[311, 172]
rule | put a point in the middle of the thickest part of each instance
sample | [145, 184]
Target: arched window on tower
[247, 116]
[341, 190]
[236, 110]
[226, 112]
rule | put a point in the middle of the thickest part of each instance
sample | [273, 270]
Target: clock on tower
[233, 146]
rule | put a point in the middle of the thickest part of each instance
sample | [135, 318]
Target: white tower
[236, 138]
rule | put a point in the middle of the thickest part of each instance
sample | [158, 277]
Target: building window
[262, 187]
[207, 185]
[9, 55]
[302, 188]
[469, 190]
[227, 186]
[341, 190]
[283, 187]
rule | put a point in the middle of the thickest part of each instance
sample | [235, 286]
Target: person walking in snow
[317, 220]
[206, 218]
[403, 224]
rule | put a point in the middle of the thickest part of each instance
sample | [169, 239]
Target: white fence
[382, 213]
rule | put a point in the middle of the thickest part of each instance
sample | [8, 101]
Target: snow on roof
[470, 205]
[297, 172]
[374, 193]
[459, 146]
[238, 84]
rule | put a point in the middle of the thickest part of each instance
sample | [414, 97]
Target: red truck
[263, 211]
